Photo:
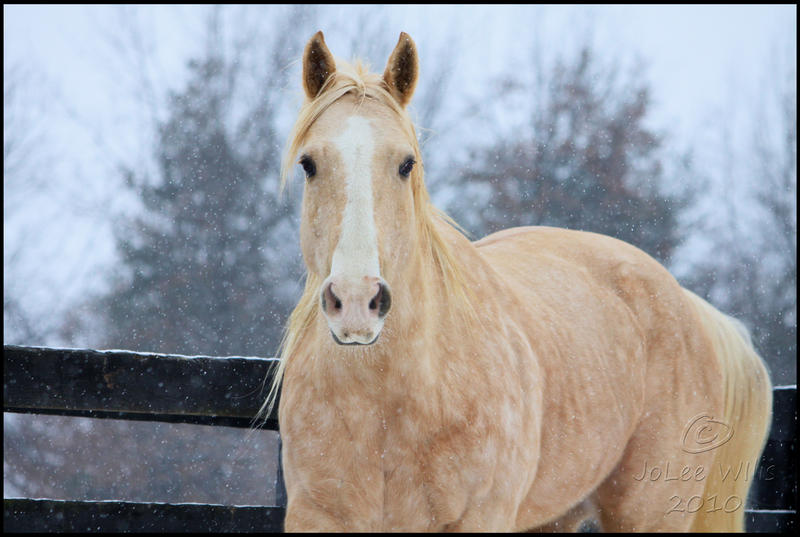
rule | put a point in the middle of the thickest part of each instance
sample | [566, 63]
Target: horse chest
[430, 483]
[406, 473]
[407, 457]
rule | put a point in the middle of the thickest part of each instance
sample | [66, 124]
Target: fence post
[280, 486]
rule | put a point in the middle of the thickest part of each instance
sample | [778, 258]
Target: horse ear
[402, 68]
[318, 65]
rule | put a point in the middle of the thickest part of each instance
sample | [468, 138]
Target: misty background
[142, 148]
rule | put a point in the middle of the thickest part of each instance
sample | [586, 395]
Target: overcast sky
[699, 60]
[698, 57]
[695, 54]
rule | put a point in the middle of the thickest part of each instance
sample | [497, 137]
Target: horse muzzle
[355, 308]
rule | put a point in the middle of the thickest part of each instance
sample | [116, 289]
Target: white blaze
[356, 254]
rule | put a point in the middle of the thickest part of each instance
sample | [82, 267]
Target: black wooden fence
[229, 391]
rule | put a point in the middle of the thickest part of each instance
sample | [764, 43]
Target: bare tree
[587, 161]
[751, 268]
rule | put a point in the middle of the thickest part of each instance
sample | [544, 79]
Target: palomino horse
[531, 379]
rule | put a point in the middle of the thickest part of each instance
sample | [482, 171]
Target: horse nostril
[373, 304]
[382, 300]
[329, 297]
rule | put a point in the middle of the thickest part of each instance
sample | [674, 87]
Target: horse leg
[659, 482]
[656, 486]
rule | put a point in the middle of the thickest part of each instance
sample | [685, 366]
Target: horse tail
[748, 410]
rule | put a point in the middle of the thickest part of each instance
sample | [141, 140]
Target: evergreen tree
[200, 280]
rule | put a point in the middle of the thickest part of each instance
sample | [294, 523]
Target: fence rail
[136, 386]
[229, 391]
[27, 515]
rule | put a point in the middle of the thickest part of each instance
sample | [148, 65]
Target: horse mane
[355, 78]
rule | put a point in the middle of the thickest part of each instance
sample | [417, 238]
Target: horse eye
[407, 166]
[309, 166]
